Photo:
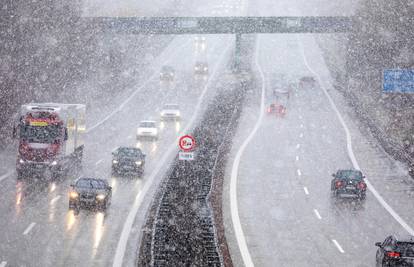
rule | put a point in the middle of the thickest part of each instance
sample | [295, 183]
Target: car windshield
[349, 174]
[147, 124]
[171, 106]
[129, 152]
[90, 183]
[167, 69]
[40, 134]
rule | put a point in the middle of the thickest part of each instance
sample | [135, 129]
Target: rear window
[171, 106]
[406, 249]
[349, 174]
[129, 152]
[147, 124]
[90, 183]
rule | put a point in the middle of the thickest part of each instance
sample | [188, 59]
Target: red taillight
[362, 185]
[393, 254]
[338, 184]
[269, 110]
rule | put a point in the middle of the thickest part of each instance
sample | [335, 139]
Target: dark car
[276, 109]
[349, 183]
[127, 160]
[167, 73]
[200, 68]
[90, 193]
[307, 80]
[395, 251]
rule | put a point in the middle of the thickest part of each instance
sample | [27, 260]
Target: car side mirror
[378, 244]
[333, 175]
[14, 135]
[65, 137]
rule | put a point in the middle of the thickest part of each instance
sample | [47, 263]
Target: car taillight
[268, 110]
[338, 184]
[393, 254]
[362, 185]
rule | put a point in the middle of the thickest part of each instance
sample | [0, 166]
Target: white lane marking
[126, 229]
[4, 176]
[300, 117]
[238, 231]
[338, 246]
[317, 214]
[55, 199]
[297, 146]
[128, 99]
[299, 172]
[115, 148]
[351, 154]
[306, 190]
[29, 228]
[3, 264]
[99, 162]
[297, 158]
[301, 126]
[130, 136]
[301, 135]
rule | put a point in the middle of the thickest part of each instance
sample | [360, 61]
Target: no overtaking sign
[187, 144]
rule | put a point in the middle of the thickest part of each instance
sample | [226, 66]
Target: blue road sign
[398, 81]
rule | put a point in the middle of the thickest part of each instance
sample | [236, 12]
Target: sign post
[398, 81]
[187, 144]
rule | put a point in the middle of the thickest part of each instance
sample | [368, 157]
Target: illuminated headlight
[114, 161]
[21, 161]
[178, 113]
[196, 68]
[162, 113]
[138, 162]
[73, 194]
[100, 197]
[54, 163]
[205, 68]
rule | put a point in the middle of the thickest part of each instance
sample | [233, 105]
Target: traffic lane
[51, 242]
[277, 221]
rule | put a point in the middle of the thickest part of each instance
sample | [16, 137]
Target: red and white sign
[187, 143]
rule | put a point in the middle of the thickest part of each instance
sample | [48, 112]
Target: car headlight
[138, 162]
[73, 194]
[100, 197]
[21, 161]
[54, 163]
[178, 113]
[162, 113]
[114, 161]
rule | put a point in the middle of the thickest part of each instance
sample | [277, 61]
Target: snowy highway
[278, 208]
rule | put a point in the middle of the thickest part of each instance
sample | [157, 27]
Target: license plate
[39, 166]
[350, 187]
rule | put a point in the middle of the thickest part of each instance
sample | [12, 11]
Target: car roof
[171, 104]
[129, 147]
[91, 179]
[407, 238]
[147, 121]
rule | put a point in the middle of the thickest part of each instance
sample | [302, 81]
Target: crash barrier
[182, 221]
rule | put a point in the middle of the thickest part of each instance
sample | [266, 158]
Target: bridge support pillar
[237, 54]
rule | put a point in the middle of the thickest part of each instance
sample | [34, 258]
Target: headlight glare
[100, 197]
[73, 194]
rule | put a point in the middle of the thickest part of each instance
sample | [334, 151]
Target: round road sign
[187, 143]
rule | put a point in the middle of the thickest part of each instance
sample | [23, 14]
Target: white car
[147, 129]
[170, 112]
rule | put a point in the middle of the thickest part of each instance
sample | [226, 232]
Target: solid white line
[4, 176]
[317, 214]
[238, 231]
[55, 199]
[351, 154]
[297, 158]
[297, 146]
[29, 228]
[299, 172]
[338, 246]
[306, 190]
[3, 264]
[126, 230]
[98, 162]
[115, 148]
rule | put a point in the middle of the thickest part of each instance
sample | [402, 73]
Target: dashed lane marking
[306, 190]
[301, 135]
[99, 162]
[29, 228]
[317, 214]
[299, 172]
[297, 146]
[55, 199]
[338, 246]
[297, 158]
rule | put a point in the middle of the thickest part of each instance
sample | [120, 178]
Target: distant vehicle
[50, 138]
[170, 112]
[167, 73]
[147, 129]
[201, 68]
[128, 160]
[200, 43]
[90, 193]
[395, 251]
[348, 183]
[276, 109]
[307, 80]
